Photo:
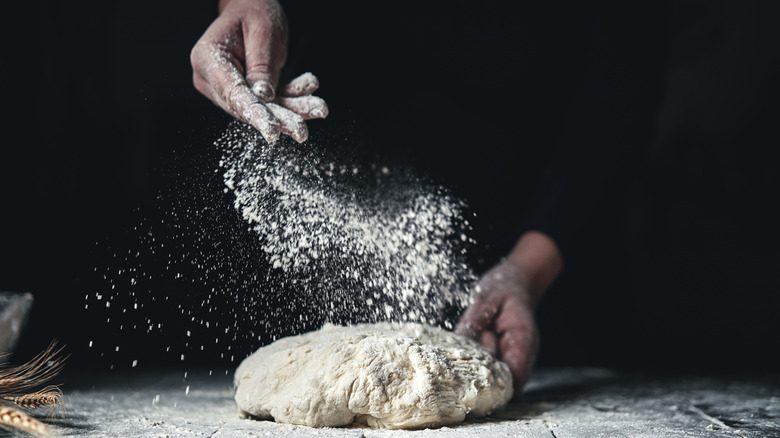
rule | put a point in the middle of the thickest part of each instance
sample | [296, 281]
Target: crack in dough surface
[383, 375]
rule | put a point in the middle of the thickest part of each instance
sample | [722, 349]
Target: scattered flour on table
[383, 375]
[369, 243]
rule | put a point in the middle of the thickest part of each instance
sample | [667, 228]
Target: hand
[501, 319]
[236, 64]
[501, 314]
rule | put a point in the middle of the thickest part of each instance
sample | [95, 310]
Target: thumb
[265, 42]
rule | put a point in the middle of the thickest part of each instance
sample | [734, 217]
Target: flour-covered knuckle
[290, 123]
[384, 375]
[260, 116]
[245, 106]
[308, 107]
[303, 85]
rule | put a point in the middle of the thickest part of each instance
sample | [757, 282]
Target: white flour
[316, 240]
[364, 241]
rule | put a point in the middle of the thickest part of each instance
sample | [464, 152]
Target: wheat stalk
[15, 381]
[50, 396]
[37, 371]
[17, 420]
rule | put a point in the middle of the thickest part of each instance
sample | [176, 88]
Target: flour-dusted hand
[501, 314]
[501, 318]
[236, 64]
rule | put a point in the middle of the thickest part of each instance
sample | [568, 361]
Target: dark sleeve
[609, 122]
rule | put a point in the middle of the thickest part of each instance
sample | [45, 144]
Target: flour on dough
[384, 375]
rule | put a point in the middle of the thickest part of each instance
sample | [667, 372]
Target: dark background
[671, 257]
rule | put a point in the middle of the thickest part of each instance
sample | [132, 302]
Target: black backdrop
[104, 132]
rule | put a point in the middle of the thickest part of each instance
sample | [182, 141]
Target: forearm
[538, 260]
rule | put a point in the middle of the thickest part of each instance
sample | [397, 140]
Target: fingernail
[264, 91]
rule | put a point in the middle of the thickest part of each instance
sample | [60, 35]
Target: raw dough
[384, 375]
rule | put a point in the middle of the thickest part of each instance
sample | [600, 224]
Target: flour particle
[369, 243]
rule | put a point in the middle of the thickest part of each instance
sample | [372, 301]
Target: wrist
[537, 262]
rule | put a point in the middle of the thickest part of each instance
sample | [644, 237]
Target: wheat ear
[15, 419]
[50, 396]
[37, 371]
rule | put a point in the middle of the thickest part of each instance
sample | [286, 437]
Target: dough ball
[384, 375]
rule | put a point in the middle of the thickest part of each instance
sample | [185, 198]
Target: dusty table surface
[557, 403]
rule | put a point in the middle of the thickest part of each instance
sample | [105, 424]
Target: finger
[262, 70]
[248, 108]
[304, 84]
[228, 89]
[309, 107]
[264, 121]
[488, 340]
[518, 350]
[265, 44]
[518, 339]
[291, 124]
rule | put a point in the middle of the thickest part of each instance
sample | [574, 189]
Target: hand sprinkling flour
[236, 64]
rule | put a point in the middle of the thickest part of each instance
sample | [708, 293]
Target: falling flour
[369, 244]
